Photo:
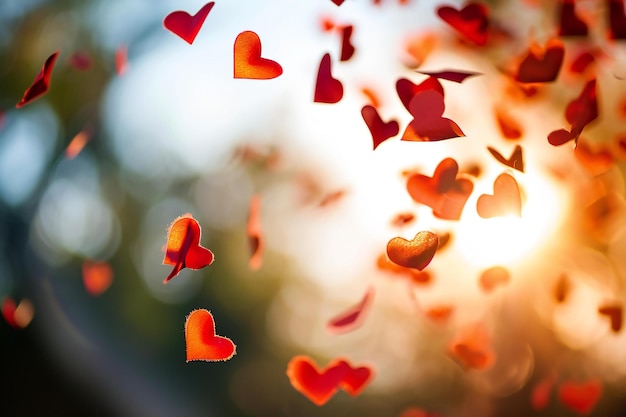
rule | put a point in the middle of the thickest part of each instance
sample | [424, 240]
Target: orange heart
[97, 276]
[317, 386]
[183, 246]
[201, 341]
[416, 253]
[614, 312]
[494, 276]
[247, 59]
[472, 348]
[505, 200]
[580, 396]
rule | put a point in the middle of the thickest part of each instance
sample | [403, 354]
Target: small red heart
[41, 83]
[338, 2]
[515, 161]
[541, 65]
[506, 199]
[247, 59]
[183, 247]
[327, 88]
[380, 130]
[444, 193]
[617, 19]
[97, 276]
[255, 235]
[416, 253]
[407, 90]
[615, 314]
[186, 26]
[569, 22]
[471, 21]
[493, 277]
[580, 397]
[428, 125]
[540, 395]
[353, 317]
[201, 341]
[355, 379]
[347, 49]
[317, 386]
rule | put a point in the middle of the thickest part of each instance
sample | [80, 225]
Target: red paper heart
[380, 130]
[617, 19]
[615, 314]
[580, 397]
[355, 378]
[506, 199]
[327, 88]
[472, 21]
[97, 276]
[579, 113]
[416, 253]
[353, 317]
[247, 59]
[201, 340]
[183, 246]
[569, 22]
[444, 193]
[347, 49]
[541, 65]
[427, 107]
[515, 161]
[41, 83]
[255, 235]
[407, 90]
[186, 26]
[493, 277]
[338, 2]
[317, 386]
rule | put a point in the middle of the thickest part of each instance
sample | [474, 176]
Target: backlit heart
[186, 26]
[407, 90]
[428, 125]
[506, 199]
[41, 83]
[355, 378]
[541, 65]
[255, 235]
[380, 130]
[247, 59]
[515, 161]
[416, 253]
[201, 340]
[471, 21]
[493, 277]
[183, 247]
[581, 397]
[327, 88]
[318, 386]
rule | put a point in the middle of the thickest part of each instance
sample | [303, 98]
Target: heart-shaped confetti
[17, 315]
[97, 276]
[569, 22]
[515, 161]
[494, 277]
[347, 49]
[506, 199]
[380, 130]
[318, 386]
[472, 348]
[471, 22]
[41, 83]
[508, 126]
[416, 253]
[541, 65]
[186, 26]
[617, 19]
[540, 395]
[248, 62]
[407, 89]
[183, 246]
[327, 88]
[451, 75]
[201, 340]
[428, 125]
[353, 317]
[579, 113]
[580, 396]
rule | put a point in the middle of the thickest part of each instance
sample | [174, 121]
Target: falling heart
[493, 277]
[186, 26]
[318, 386]
[506, 199]
[41, 83]
[541, 65]
[416, 253]
[472, 21]
[201, 340]
[407, 90]
[581, 397]
[327, 88]
[380, 130]
[428, 125]
[355, 379]
[515, 161]
[248, 62]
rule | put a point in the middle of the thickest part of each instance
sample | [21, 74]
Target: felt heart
[617, 19]
[247, 59]
[347, 49]
[472, 21]
[506, 199]
[317, 386]
[407, 90]
[416, 253]
[569, 22]
[97, 276]
[41, 83]
[355, 378]
[201, 340]
[493, 277]
[541, 65]
[615, 314]
[183, 246]
[581, 397]
[255, 235]
[444, 193]
[186, 26]
[327, 88]
[515, 161]
[380, 130]
[427, 107]
[353, 317]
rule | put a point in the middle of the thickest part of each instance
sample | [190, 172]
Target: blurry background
[175, 133]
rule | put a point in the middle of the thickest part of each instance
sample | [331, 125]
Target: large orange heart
[202, 342]
[580, 396]
[505, 200]
[183, 247]
[247, 59]
[416, 253]
[318, 386]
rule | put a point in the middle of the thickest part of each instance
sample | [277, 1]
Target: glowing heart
[541, 65]
[506, 199]
[355, 378]
[472, 348]
[444, 193]
[380, 130]
[615, 314]
[569, 22]
[353, 317]
[515, 161]
[97, 276]
[183, 247]
[318, 386]
[472, 21]
[416, 253]
[248, 62]
[580, 397]
[327, 88]
[494, 277]
[255, 235]
[41, 83]
[186, 26]
[347, 49]
[428, 125]
[201, 340]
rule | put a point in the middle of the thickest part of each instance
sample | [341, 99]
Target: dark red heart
[472, 21]
[186, 26]
[380, 130]
[327, 88]
[541, 65]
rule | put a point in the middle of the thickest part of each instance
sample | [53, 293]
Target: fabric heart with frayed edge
[380, 130]
[201, 341]
[183, 246]
[327, 88]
